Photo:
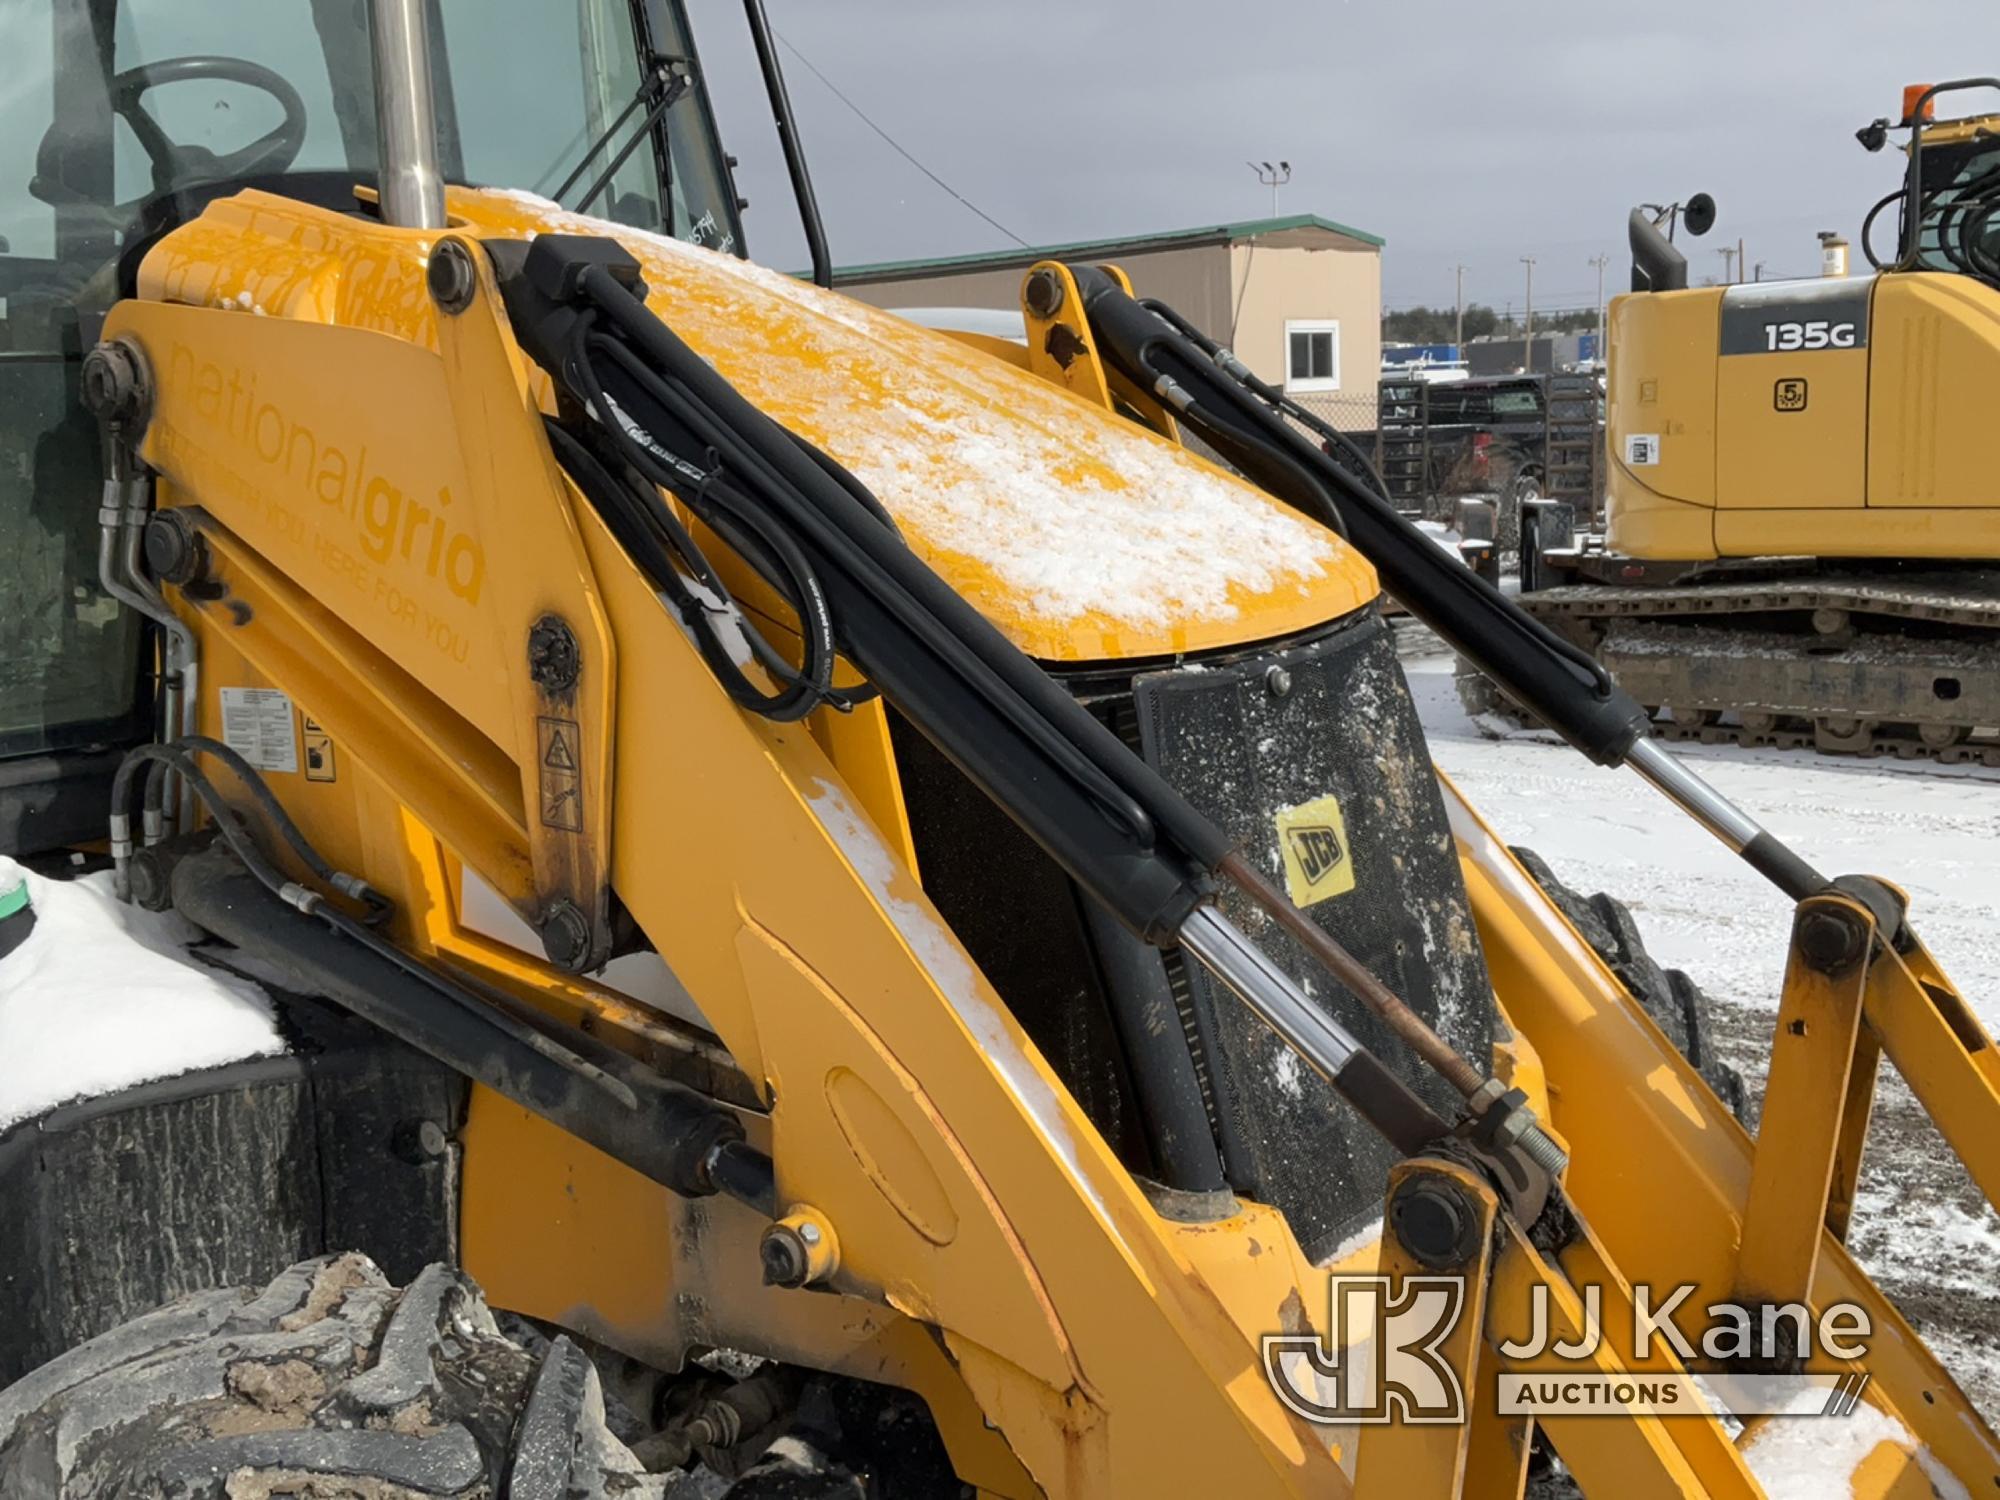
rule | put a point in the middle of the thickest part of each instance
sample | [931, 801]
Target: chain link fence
[1350, 412]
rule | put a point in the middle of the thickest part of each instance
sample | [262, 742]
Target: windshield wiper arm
[663, 87]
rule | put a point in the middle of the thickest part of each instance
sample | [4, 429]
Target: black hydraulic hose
[1357, 463]
[1103, 814]
[1548, 675]
[774, 557]
[1095, 755]
[246, 775]
[1868, 230]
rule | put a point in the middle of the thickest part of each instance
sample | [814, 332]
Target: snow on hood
[102, 995]
[1063, 511]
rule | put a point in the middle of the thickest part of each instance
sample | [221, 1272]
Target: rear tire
[1674, 1001]
[329, 1384]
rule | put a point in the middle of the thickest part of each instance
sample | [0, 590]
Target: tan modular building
[1299, 298]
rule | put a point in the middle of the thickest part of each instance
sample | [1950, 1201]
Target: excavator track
[1843, 662]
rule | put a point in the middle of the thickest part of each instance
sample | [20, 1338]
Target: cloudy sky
[1459, 132]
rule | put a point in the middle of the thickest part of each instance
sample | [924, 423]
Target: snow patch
[101, 996]
[1286, 1076]
[1804, 1456]
[1353, 1244]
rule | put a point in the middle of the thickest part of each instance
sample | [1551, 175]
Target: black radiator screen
[1311, 757]
[1311, 747]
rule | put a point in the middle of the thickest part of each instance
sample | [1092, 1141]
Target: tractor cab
[121, 120]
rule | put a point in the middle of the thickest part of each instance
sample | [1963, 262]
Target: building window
[1312, 355]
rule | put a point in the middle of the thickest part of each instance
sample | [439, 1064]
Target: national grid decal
[1312, 838]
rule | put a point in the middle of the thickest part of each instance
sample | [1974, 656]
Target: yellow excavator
[1803, 545]
[851, 917]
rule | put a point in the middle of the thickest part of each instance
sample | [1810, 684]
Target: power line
[862, 115]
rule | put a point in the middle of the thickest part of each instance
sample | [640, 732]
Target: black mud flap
[1311, 757]
[222, 1177]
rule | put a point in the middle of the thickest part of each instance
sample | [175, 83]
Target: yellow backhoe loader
[894, 922]
[1803, 545]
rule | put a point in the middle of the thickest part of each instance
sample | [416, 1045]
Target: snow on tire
[1674, 1001]
[329, 1384]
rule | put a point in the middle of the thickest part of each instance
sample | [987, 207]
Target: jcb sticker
[1318, 862]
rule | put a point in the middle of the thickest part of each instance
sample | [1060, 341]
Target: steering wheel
[175, 165]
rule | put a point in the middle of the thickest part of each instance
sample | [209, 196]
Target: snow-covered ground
[1920, 1227]
[101, 996]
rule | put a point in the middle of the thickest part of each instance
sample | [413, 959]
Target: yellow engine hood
[1080, 535]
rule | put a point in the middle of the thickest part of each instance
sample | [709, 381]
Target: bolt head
[1044, 294]
[565, 934]
[784, 1256]
[1278, 682]
[451, 276]
[1433, 1219]
[113, 382]
[1830, 939]
[555, 661]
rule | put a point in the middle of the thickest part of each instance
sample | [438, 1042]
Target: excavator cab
[122, 120]
[1947, 208]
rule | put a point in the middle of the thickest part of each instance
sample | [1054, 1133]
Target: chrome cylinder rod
[1331, 1050]
[1225, 952]
[1760, 848]
[410, 182]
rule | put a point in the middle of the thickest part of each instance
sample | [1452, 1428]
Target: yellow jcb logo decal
[1313, 839]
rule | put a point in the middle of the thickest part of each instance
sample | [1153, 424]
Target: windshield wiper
[663, 88]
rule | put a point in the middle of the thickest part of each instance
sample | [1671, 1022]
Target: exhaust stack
[411, 185]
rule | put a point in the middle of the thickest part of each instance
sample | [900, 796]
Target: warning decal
[1313, 839]
[319, 750]
[257, 725]
[561, 744]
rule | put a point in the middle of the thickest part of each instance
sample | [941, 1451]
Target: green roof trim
[1243, 229]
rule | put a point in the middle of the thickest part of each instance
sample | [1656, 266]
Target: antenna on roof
[1272, 178]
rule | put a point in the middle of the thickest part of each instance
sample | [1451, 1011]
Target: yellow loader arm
[365, 512]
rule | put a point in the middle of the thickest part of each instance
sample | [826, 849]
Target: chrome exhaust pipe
[409, 179]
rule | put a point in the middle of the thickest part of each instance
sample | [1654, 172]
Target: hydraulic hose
[1127, 838]
[1244, 419]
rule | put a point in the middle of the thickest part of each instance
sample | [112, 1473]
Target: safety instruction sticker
[257, 724]
[1642, 449]
[319, 750]
[1313, 839]
[561, 749]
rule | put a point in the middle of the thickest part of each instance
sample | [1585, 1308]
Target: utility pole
[1728, 254]
[1758, 273]
[1600, 261]
[1528, 340]
[1742, 261]
[1273, 177]
[1458, 317]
